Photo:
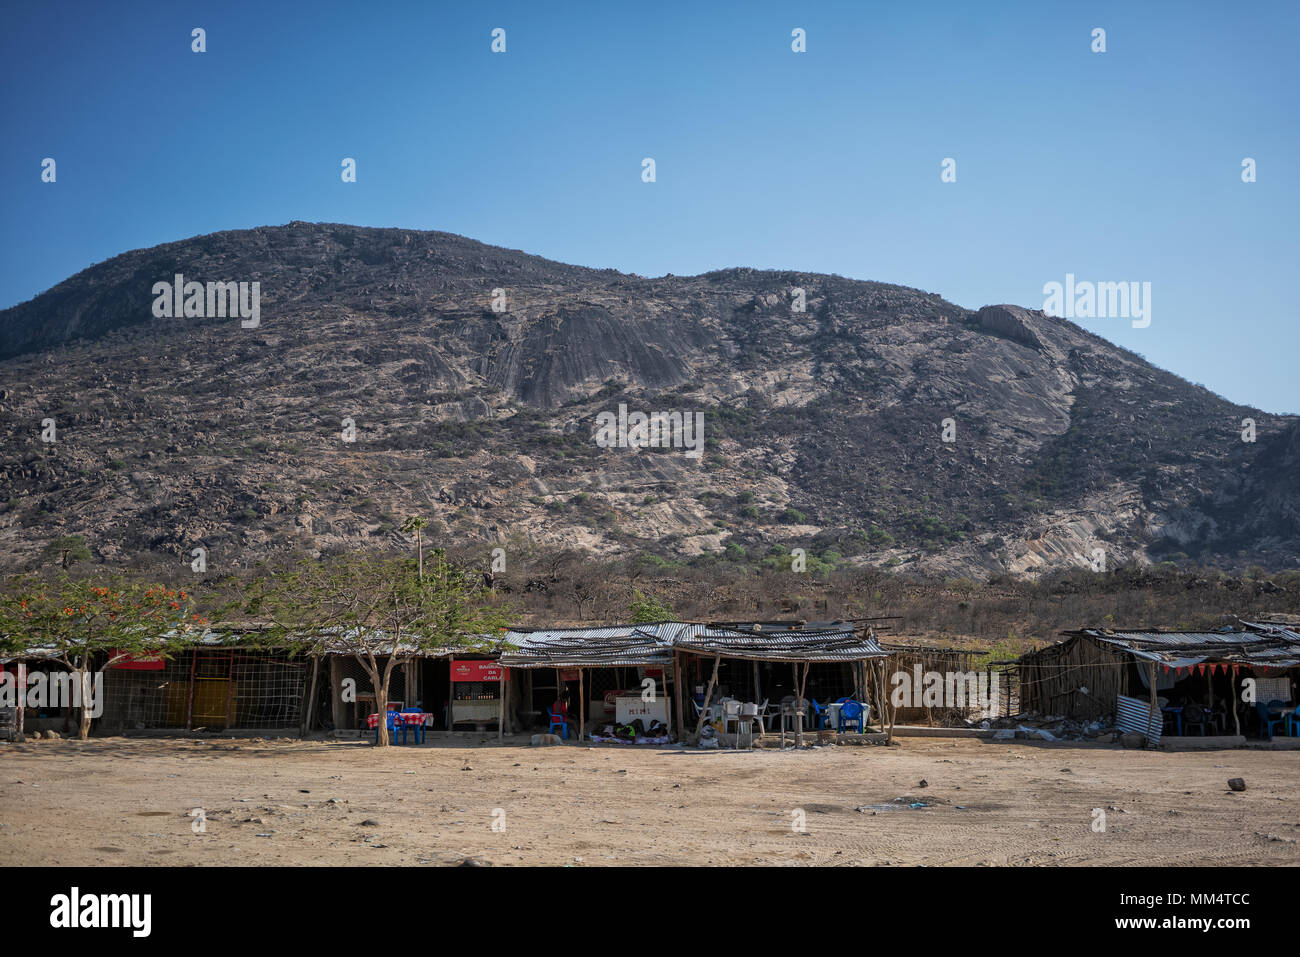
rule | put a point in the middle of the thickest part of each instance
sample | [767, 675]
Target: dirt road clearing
[128, 801]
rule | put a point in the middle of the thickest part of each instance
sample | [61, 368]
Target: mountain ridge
[823, 427]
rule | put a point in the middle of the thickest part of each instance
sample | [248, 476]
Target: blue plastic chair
[818, 715]
[557, 721]
[852, 713]
[417, 730]
[1266, 721]
[1291, 724]
[394, 726]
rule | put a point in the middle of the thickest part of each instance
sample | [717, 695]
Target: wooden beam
[708, 695]
[1154, 708]
[582, 707]
[19, 725]
[803, 685]
[309, 711]
[1232, 688]
[230, 690]
[676, 693]
[337, 704]
[189, 709]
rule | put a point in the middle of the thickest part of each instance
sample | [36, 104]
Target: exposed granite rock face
[823, 427]
[1010, 322]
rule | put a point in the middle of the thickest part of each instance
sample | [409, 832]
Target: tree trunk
[380, 684]
[87, 705]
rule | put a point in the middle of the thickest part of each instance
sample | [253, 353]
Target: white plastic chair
[750, 714]
[731, 714]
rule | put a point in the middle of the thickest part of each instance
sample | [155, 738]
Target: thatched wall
[1052, 679]
[942, 660]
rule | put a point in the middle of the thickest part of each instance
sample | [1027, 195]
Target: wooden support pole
[501, 703]
[1209, 673]
[708, 696]
[1232, 688]
[189, 708]
[887, 705]
[677, 694]
[798, 735]
[309, 711]
[230, 690]
[19, 726]
[1154, 709]
[582, 707]
[338, 707]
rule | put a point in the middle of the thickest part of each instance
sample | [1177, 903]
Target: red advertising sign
[477, 671]
[145, 662]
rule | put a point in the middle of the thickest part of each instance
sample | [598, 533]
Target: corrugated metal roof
[1268, 646]
[473, 644]
[206, 638]
[629, 645]
[815, 641]
[611, 646]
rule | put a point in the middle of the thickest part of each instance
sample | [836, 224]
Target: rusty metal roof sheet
[653, 644]
[1268, 646]
[814, 641]
[611, 646]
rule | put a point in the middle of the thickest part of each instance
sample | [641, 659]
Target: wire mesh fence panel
[212, 689]
[146, 699]
[267, 692]
[353, 676]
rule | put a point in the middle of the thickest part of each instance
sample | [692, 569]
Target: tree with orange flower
[89, 624]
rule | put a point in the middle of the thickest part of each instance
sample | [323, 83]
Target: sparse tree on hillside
[646, 610]
[417, 524]
[67, 550]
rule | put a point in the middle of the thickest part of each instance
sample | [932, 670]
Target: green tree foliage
[382, 611]
[647, 609]
[66, 550]
[82, 622]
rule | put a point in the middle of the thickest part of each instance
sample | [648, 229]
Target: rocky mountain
[473, 378]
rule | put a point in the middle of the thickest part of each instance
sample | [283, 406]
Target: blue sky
[1122, 166]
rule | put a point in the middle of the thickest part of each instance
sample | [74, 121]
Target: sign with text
[142, 662]
[628, 708]
[478, 671]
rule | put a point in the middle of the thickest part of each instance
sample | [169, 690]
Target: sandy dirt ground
[116, 801]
